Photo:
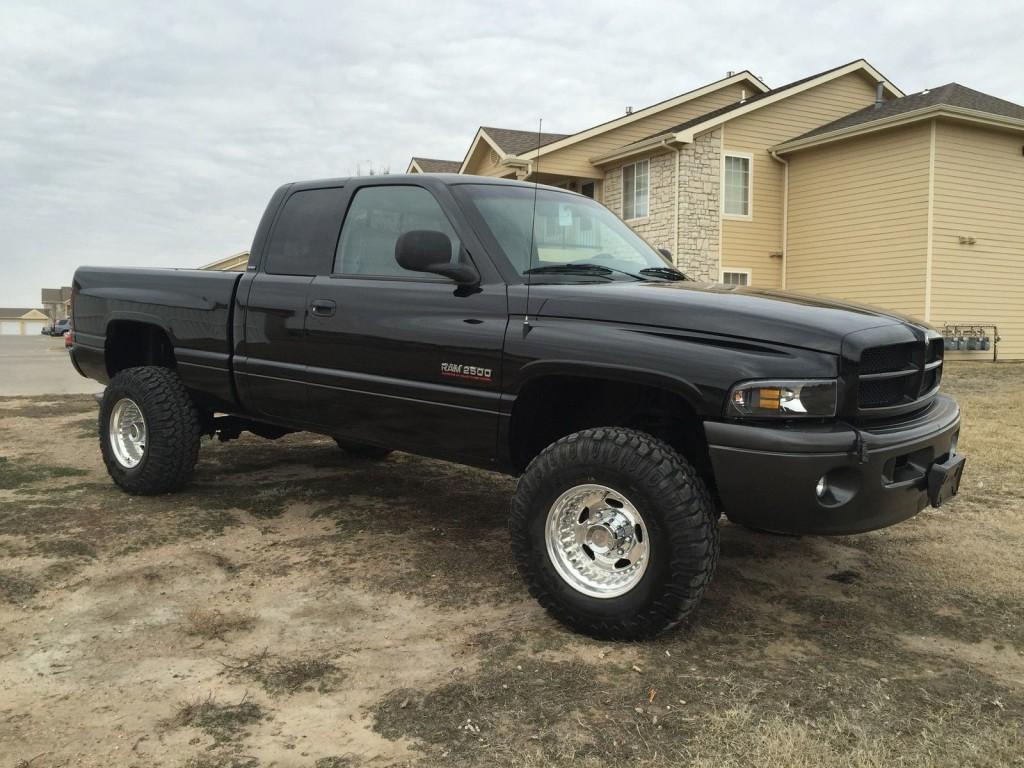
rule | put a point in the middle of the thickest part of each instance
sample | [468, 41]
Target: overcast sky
[153, 135]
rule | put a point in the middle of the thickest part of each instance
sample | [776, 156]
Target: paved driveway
[38, 365]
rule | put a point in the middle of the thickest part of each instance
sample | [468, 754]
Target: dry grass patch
[221, 760]
[742, 737]
[221, 722]
[65, 548]
[46, 406]
[16, 589]
[336, 761]
[213, 623]
[282, 676]
[17, 473]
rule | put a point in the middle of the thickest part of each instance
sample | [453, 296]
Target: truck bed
[193, 308]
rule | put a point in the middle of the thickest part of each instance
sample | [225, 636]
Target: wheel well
[555, 406]
[131, 343]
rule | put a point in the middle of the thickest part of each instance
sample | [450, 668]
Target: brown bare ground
[296, 607]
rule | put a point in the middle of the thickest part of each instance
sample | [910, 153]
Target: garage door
[35, 327]
[10, 327]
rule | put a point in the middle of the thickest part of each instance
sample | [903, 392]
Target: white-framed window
[636, 189]
[736, 276]
[737, 187]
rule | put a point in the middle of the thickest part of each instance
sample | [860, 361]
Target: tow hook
[862, 448]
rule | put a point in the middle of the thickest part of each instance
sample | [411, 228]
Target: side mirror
[666, 253]
[426, 250]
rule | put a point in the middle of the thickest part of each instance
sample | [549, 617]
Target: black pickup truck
[527, 330]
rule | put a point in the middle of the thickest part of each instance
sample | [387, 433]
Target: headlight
[783, 399]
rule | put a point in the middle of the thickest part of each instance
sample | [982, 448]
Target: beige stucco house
[836, 184]
[56, 302]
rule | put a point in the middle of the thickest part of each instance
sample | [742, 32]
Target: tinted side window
[306, 233]
[377, 217]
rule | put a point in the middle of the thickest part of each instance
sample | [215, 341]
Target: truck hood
[778, 317]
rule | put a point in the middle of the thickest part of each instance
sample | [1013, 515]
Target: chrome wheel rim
[127, 430]
[597, 541]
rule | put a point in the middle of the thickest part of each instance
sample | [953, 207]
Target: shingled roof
[513, 142]
[429, 165]
[950, 95]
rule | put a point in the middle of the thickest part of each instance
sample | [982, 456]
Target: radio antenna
[533, 226]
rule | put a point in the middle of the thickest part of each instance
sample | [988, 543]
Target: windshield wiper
[572, 269]
[583, 268]
[666, 272]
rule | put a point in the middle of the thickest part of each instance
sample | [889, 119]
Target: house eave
[689, 135]
[926, 113]
[639, 148]
[746, 76]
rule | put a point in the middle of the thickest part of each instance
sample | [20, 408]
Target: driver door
[404, 359]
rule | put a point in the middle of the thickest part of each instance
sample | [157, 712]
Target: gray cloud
[146, 133]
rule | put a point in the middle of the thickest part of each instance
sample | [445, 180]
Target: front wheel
[149, 431]
[614, 533]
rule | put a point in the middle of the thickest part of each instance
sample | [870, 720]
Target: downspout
[675, 236]
[785, 211]
[929, 246]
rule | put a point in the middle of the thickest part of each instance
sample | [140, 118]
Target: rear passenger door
[406, 359]
[271, 364]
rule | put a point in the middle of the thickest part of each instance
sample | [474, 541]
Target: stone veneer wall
[699, 205]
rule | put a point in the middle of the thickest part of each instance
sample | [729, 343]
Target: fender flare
[609, 372]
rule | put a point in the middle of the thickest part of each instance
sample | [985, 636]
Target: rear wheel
[614, 533]
[362, 450]
[149, 431]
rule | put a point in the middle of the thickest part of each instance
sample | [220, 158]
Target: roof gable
[685, 131]
[513, 142]
[507, 142]
[745, 77]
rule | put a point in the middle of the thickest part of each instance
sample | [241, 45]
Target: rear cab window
[305, 233]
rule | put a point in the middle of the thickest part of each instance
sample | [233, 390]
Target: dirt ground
[296, 607]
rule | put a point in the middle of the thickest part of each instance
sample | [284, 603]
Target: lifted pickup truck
[528, 330]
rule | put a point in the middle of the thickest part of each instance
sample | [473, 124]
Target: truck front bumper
[835, 478]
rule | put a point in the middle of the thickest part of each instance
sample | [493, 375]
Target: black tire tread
[690, 525]
[173, 424]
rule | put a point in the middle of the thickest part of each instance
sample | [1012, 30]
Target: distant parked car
[69, 337]
[47, 330]
[60, 327]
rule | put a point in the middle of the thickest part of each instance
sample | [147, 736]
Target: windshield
[574, 238]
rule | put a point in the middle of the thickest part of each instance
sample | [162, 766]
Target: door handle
[323, 308]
